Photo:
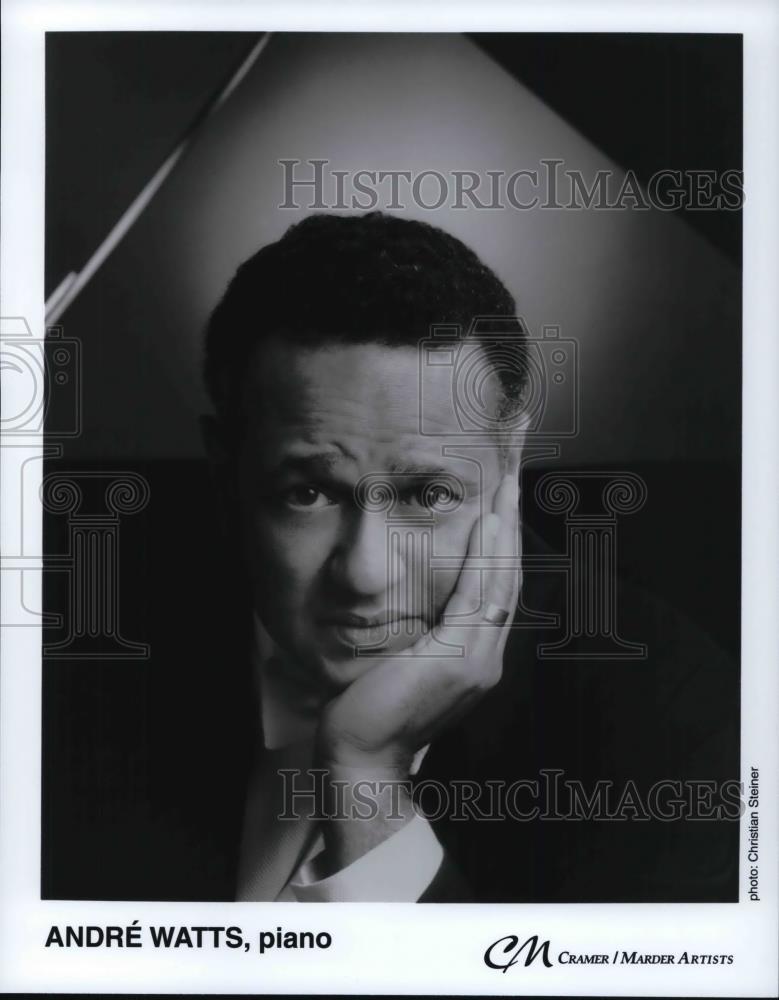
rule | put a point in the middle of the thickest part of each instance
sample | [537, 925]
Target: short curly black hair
[373, 278]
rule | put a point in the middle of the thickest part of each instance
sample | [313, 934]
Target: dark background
[116, 105]
[649, 101]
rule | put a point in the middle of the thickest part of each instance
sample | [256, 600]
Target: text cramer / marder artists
[507, 952]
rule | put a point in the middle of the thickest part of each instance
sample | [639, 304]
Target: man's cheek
[287, 560]
[451, 534]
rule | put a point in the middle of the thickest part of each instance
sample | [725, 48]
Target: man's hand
[402, 702]
[372, 730]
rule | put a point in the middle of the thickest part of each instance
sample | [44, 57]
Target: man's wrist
[333, 750]
[364, 806]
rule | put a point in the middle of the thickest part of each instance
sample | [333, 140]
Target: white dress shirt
[278, 856]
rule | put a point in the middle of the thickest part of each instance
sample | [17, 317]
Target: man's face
[334, 569]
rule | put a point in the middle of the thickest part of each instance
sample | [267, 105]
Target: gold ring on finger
[494, 614]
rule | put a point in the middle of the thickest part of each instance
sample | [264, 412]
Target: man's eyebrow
[431, 470]
[417, 469]
[323, 461]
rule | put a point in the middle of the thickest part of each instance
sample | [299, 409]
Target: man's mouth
[359, 630]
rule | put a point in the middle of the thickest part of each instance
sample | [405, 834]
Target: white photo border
[393, 948]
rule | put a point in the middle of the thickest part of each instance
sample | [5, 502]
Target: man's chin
[343, 657]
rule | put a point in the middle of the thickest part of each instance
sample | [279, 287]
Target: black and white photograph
[387, 510]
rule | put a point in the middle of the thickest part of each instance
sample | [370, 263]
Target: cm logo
[506, 952]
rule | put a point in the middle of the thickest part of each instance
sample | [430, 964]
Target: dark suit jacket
[145, 764]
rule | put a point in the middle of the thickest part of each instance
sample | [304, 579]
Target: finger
[505, 630]
[515, 577]
[503, 583]
[467, 594]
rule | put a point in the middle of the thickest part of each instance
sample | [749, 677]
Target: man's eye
[439, 497]
[306, 498]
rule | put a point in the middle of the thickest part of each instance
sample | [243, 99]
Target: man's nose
[363, 563]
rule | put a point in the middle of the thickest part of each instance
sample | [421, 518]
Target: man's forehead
[349, 458]
[355, 409]
[341, 385]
